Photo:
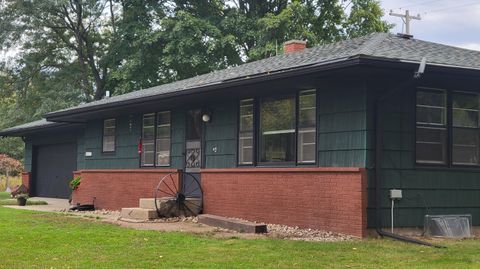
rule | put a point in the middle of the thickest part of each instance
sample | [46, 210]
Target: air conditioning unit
[455, 226]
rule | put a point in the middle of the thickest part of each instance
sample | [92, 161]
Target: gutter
[378, 158]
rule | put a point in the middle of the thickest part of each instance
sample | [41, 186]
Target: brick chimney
[294, 46]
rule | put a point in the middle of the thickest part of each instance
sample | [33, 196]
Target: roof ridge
[370, 44]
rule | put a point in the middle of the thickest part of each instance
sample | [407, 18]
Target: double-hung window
[431, 140]
[108, 142]
[434, 143]
[465, 130]
[286, 131]
[156, 139]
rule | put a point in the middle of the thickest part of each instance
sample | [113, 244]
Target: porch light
[206, 117]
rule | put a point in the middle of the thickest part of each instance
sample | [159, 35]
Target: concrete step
[167, 206]
[137, 213]
[242, 226]
[148, 203]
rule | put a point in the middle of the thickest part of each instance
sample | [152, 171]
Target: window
[433, 125]
[286, 131]
[245, 137]
[431, 140]
[307, 126]
[163, 138]
[465, 131]
[277, 130]
[148, 140]
[108, 144]
[156, 139]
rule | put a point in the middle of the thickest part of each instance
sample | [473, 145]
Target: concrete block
[242, 226]
[139, 213]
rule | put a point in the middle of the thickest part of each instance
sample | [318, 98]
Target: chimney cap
[294, 46]
[295, 41]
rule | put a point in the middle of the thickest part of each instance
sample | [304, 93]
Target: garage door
[54, 166]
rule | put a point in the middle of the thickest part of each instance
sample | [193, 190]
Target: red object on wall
[116, 189]
[26, 176]
[140, 146]
[332, 199]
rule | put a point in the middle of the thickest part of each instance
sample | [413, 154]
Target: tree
[63, 34]
[365, 17]
[9, 166]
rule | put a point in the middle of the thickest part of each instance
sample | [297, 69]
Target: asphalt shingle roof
[43, 123]
[380, 45]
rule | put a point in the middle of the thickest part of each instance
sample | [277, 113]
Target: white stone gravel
[296, 233]
[274, 230]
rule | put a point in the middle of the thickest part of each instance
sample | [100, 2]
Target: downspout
[378, 157]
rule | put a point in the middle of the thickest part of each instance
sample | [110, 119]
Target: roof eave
[323, 66]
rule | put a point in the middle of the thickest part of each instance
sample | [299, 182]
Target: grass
[46, 240]
[14, 202]
[6, 199]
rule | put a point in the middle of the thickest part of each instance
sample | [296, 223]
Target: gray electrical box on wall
[395, 194]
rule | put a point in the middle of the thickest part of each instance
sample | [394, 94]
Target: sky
[451, 22]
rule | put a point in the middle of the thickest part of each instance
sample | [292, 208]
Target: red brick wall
[333, 199]
[115, 189]
[26, 179]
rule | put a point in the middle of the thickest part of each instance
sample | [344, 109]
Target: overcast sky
[452, 22]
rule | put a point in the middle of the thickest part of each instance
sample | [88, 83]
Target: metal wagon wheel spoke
[183, 199]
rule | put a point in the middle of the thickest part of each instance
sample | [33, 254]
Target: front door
[193, 148]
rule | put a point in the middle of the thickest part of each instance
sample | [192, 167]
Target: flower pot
[21, 201]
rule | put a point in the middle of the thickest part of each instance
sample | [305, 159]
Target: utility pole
[406, 19]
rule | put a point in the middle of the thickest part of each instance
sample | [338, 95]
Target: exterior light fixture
[206, 117]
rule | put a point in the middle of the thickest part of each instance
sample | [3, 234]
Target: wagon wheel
[182, 197]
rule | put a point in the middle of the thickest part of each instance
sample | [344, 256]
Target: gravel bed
[296, 233]
[274, 230]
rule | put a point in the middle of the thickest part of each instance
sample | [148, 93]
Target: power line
[420, 4]
[454, 7]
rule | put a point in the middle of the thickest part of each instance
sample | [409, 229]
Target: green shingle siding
[221, 136]
[425, 190]
[342, 125]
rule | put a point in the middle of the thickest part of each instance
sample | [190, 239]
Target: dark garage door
[54, 166]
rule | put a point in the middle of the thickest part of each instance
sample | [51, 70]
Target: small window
[163, 139]
[465, 121]
[277, 130]
[108, 135]
[431, 133]
[307, 126]
[148, 140]
[245, 137]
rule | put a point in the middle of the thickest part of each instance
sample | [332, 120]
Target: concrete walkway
[54, 205]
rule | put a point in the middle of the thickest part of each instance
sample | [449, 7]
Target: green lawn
[46, 240]
[6, 199]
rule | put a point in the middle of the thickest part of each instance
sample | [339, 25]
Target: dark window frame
[155, 127]
[256, 132]
[449, 128]
[114, 137]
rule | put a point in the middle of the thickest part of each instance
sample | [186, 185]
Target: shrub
[74, 183]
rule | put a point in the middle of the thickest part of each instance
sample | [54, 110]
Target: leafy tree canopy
[64, 52]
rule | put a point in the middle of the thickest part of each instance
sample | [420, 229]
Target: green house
[317, 137]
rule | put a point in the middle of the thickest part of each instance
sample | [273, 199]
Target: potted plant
[22, 199]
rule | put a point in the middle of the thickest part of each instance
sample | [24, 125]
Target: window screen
[108, 135]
